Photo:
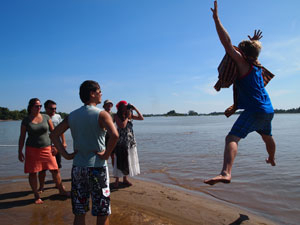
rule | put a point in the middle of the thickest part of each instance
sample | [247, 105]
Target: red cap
[121, 103]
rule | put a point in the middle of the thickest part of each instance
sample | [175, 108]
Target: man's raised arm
[224, 36]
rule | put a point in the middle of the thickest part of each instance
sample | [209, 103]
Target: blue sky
[159, 55]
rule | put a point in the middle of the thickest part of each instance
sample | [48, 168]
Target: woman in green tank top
[38, 155]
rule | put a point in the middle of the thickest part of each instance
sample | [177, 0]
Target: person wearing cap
[107, 105]
[126, 158]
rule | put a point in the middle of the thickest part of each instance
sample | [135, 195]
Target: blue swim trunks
[252, 121]
[88, 181]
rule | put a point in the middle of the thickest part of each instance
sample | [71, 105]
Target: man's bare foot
[38, 201]
[41, 190]
[219, 179]
[271, 161]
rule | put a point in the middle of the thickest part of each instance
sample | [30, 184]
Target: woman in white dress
[127, 161]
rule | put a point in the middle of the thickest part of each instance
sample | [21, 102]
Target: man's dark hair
[85, 89]
[46, 104]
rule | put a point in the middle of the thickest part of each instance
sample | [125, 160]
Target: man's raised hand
[256, 36]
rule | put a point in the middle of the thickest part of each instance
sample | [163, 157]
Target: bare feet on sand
[38, 201]
[37, 198]
[219, 179]
[271, 161]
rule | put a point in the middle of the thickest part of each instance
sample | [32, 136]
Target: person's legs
[79, 220]
[57, 179]
[245, 124]
[102, 220]
[58, 160]
[116, 184]
[230, 151]
[100, 193]
[42, 176]
[126, 181]
[266, 133]
[271, 148]
[33, 181]
[80, 193]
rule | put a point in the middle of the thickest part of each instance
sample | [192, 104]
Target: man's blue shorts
[252, 121]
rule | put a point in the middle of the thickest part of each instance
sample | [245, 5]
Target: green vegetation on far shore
[6, 114]
[193, 113]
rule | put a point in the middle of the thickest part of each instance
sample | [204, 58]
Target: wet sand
[144, 203]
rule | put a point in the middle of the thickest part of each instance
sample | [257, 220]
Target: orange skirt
[38, 159]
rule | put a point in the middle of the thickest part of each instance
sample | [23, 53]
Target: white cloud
[208, 88]
[282, 57]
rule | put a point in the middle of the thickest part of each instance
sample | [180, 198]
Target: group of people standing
[95, 136]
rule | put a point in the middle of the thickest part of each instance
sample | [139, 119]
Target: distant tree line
[174, 113]
[6, 114]
[193, 113]
[294, 110]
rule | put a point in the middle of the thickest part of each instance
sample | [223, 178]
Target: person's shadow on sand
[121, 186]
[240, 220]
[63, 180]
[21, 194]
[15, 195]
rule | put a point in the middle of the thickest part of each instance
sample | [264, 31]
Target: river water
[183, 151]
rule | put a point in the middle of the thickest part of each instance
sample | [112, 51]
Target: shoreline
[276, 111]
[143, 203]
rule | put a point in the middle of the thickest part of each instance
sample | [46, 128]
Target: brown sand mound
[144, 203]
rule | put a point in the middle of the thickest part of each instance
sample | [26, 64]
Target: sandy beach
[143, 203]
